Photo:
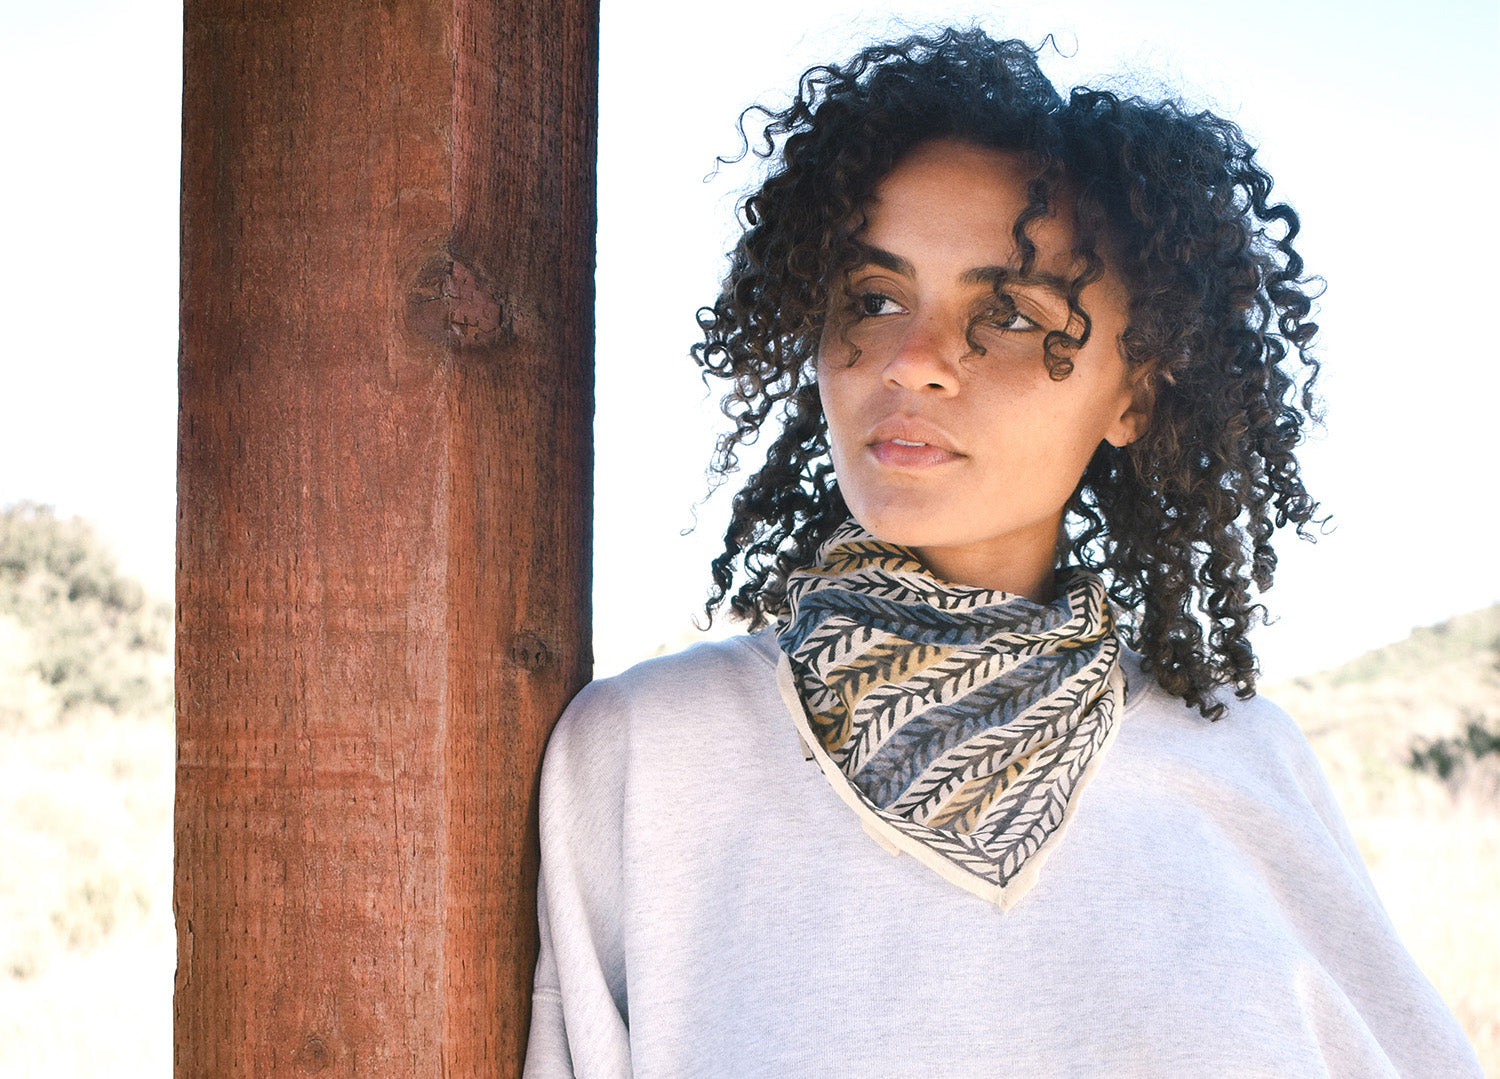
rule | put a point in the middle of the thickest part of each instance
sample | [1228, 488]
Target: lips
[909, 442]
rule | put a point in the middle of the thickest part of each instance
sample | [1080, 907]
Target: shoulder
[668, 701]
[1253, 765]
[706, 674]
[1253, 733]
[707, 668]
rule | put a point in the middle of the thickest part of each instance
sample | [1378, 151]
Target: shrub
[1456, 757]
[96, 638]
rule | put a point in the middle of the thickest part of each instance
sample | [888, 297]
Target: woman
[1035, 367]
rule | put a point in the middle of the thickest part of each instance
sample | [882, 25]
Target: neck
[1034, 577]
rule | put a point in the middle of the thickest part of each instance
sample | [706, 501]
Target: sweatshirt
[710, 907]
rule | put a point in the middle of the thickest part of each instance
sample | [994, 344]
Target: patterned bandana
[959, 723]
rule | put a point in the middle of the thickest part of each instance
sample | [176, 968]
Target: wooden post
[383, 537]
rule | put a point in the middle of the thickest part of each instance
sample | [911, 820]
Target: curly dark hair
[1179, 523]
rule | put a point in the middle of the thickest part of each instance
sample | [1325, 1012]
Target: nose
[926, 357]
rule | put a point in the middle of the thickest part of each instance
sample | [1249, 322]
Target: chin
[904, 527]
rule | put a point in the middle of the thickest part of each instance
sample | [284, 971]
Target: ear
[1135, 414]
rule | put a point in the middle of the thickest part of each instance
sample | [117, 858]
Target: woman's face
[966, 457]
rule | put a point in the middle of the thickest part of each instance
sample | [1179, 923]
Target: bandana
[959, 723]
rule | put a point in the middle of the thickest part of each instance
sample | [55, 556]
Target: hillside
[1366, 717]
[1432, 842]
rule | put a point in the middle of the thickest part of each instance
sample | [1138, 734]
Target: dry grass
[85, 898]
[105, 1012]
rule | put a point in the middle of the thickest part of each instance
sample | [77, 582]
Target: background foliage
[76, 634]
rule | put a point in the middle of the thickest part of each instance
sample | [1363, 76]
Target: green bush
[95, 637]
[1452, 757]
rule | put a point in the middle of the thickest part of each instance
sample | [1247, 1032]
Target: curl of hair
[1180, 522]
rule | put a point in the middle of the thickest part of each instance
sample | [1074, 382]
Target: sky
[1377, 119]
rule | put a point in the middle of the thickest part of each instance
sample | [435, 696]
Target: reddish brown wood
[383, 539]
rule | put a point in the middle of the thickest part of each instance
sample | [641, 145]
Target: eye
[1005, 316]
[1013, 321]
[874, 304]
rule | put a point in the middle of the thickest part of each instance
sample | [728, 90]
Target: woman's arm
[578, 1021]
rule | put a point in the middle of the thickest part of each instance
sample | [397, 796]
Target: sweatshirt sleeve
[1402, 1014]
[579, 1025]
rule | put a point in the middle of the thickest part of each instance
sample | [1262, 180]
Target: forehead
[984, 171]
[949, 198]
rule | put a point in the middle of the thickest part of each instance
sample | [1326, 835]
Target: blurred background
[1379, 121]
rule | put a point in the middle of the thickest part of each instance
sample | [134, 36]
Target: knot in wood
[529, 652]
[313, 1057]
[456, 305]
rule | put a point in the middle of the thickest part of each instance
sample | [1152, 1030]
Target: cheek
[835, 394]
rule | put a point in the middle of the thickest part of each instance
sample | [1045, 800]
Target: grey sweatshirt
[709, 907]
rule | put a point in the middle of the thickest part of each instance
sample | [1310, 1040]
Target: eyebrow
[999, 276]
[887, 260]
[994, 276]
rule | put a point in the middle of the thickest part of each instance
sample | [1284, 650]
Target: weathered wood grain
[383, 535]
